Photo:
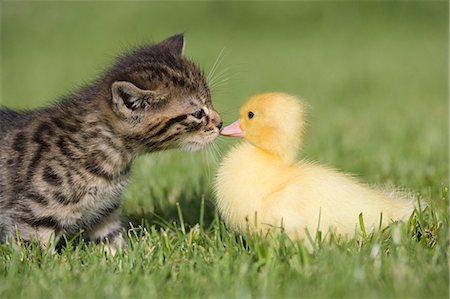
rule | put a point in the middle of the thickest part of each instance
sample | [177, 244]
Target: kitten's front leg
[108, 232]
[45, 237]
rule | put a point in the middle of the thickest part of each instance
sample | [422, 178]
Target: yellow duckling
[260, 185]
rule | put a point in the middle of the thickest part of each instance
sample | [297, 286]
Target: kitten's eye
[198, 114]
[250, 115]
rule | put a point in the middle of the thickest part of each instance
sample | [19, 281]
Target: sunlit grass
[405, 260]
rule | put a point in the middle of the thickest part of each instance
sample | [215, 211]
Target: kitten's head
[161, 99]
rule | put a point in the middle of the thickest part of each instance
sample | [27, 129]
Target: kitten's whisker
[216, 153]
[219, 151]
[215, 65]
[218, 83]
[223, 74]
[224, 82]
[205, 162]
[213, 156]
[220, 145]
[210, 154]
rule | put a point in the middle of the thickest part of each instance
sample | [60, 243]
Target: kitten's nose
[216, 120]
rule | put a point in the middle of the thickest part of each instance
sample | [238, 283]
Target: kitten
[63, 168]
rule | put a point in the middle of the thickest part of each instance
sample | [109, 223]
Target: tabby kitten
[63, 169]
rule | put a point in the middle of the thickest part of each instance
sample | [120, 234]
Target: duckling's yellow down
[260, 186]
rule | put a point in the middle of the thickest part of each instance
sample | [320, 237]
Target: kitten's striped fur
[63, 169]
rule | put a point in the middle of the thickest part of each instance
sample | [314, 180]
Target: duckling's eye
[250, 115]
[198, 114]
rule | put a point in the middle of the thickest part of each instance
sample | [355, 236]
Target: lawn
[375, 77]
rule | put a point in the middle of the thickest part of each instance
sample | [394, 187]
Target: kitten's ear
[174, 44]
[127, 98]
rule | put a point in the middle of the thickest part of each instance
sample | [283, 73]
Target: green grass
[375, 75]
[407, 261]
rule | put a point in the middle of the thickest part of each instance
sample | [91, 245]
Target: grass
[375, 76]
[407, 261]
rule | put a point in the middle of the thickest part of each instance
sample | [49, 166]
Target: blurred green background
[375, 75]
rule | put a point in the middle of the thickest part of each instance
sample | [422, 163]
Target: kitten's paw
[115, 245]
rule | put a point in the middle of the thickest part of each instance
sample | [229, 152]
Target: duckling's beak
[233, 130]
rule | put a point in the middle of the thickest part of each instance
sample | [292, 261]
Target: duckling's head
[273, 122]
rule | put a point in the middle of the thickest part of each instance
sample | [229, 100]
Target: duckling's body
[261, 187]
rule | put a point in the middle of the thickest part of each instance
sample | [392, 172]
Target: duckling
[260, 186]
